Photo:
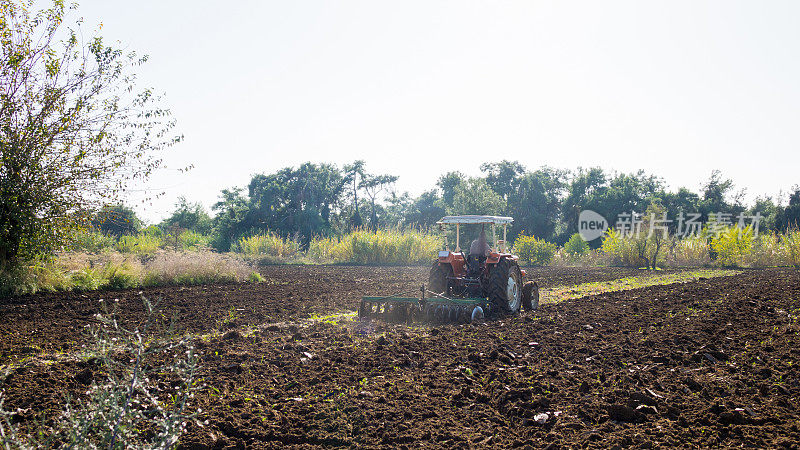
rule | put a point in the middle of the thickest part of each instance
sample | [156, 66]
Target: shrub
[322, 249]
[576, 245]
[791, 242]
[536, 252]
[269, 244]
[622, 249]
[139, 401]
[88, 279]
[732, 245]
[42, 275]
[192, 240]
[92, 241]
[768, 250]
[141, 244]
[122, 276]
[255, 277]
[391, 246]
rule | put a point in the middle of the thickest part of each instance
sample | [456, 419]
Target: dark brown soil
[54, 322]
[709, 363]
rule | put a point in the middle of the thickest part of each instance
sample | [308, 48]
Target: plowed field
[707, 363]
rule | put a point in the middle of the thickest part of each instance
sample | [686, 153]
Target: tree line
[320, 199]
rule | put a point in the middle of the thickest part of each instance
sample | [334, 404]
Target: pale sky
[418, 88]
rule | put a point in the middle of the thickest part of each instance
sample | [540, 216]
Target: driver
[479, 246]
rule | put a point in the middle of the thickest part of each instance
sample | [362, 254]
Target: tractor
[463, 287]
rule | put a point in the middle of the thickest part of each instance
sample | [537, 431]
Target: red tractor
[463, 287]
[496, 276]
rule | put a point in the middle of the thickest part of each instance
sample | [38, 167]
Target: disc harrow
[428, 307]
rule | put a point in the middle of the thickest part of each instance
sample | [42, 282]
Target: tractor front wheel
[437, 281]
[530, 296]
[505, 286]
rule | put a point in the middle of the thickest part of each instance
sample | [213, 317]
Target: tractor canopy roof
[475, 219]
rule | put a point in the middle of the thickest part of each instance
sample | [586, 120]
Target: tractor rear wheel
[437, 281]
[505, 286]
[530, 296]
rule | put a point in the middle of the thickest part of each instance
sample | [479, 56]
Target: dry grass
[114, 270]
[195, 268]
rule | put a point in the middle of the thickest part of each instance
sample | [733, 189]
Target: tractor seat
[474, 265]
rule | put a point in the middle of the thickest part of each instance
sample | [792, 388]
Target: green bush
[192, 240]
[576, 245]
[255, 277]
[144, 243]
[123, 276]
[92, 241]
[622, 249]
[536, 252]
[88, 279]
[40, 276]
[733, 245]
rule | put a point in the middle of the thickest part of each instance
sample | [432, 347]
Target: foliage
[641, 245]
[116, 220]
[732, 245]
[188, 216]
[75, 128]
[140, 244]
[621, 248]
[192, 240]
[536, 252]
[91, 241]
[373, 185]
[269, 244]
[576, 245]
[391, 246]
[474, 196]
[255, 277]
[425, 210]
[41, 275]
[149, 376]
[792, 245]
[295, 200]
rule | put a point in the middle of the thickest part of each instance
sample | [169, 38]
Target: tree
[448, 184]
[190, 216]
[74, 128]
[231, 219]
[474, 196]
[296, 201]
[535, 202]
[582, 186]
[116, 220]
[503, 177]
[789, 217]
[373, 185]
[718, 197]
[426, 210]
[353, 174]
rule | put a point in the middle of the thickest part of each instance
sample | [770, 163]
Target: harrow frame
[428, 307]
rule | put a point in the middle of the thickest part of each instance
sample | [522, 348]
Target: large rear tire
[437, 281]
[505, 286]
